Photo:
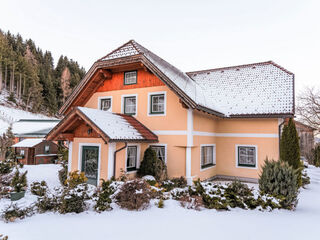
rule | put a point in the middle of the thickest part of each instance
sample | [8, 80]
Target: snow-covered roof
[255, 89]
[27, 127]
[30, 142]
[262, 88]
[113, 125]
[12, 116]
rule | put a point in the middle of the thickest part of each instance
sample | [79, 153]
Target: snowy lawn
[171, 222]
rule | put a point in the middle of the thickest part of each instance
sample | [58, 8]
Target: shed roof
[31, 142]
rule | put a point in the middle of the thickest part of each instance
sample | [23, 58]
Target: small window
[247, 156]
[105, 104]
[130, 105]
[130, 77]
[207, 156]
[22, 152]
[131, 158]
[160, 151]
[47, 149]
[157, 104]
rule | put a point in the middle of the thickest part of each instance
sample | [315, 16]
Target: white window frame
[45, 147]
[105, 97]
[22, 152]
[165, 150]
[122, 103]
[80, 157]
[124, 77]
[246, 145]
[214, 156]
[138, 145]
[149, 104]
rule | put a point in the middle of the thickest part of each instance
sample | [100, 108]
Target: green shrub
[39, 188]
[13, 212]
[73, 199]
[180, 182]
[19, 181]
[75, 178]
[63, 173]
[160, 203]
[6, 166]
[134, 195]
[305, 179]
[278, 179]
[48, 203]
[315, 156]
[104, 196]
[152, 165]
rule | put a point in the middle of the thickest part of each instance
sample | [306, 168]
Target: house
[36, 151]
[213, 123]
[306, 138]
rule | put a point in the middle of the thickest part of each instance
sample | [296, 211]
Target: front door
[90, 159]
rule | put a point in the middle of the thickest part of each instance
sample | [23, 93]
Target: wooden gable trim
[57, 133]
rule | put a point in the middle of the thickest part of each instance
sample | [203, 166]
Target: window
[157, 105]
[105, 104]
[160, 151]
[22, 152]
[207, 156]
[46, 149]
[130, 77]
[130, 105]
[131, 158]
[247, 156]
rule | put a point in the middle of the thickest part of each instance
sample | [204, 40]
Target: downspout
[280, 125]
[115, 157]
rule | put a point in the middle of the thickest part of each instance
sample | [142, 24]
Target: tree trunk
[12, 80]
[24, 85]
[5, 76]
[0, 74]
[20, 85]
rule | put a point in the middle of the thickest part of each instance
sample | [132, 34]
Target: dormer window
[130, 77]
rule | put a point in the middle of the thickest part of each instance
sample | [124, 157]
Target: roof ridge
[113, 51]
[240, 66]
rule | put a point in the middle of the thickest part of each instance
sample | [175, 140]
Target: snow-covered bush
[278, 179]
[73, 199]
[168, 185]
[2, 237]
[75, 178]
[48, 202]
[305, 178]
[13, 212]
[152, 165]
[63, 173]
[134, 195]
[6, 166]
[39, 188]
[19, 181]
[104, 196]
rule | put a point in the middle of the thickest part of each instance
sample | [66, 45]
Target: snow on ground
[173, 221]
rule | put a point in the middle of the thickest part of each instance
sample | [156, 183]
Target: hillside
[29, 75]
[10, 113]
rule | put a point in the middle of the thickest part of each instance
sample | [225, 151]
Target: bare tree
[308, 107]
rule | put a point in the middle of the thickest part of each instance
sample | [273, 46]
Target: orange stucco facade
[180, 129]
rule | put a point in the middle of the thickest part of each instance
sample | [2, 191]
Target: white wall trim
[170, 132]
[70, 157]
[212, 134]
[111, 150]
[138, 145]
[252, 135]
[189, 145]
[246, 145]
[122, 102]
[99, 158]
[214, 156]
[149, 103]
[165, 149]
[105, 97]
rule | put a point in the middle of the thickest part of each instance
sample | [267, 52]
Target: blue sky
[192, 35]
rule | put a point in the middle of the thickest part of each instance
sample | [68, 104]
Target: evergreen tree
[290, 148]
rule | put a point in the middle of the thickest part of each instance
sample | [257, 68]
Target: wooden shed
[36, 151]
